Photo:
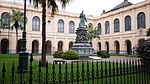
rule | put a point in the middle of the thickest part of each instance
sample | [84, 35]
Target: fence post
[109, 72]
[97, 72]
[3, 73]
[113, 72]
[102, 72]
[31, 60]
[72, 73]
[88, 72]
[12, 71]
[133, 71]
[66, 72]
[83, 73]
[77, 73]
[60, 74]
[120, 72]
[46, 72]
[106, 71]
[127, 69]
[117, 72]
[138, 70]
[39, 76]
[92, 73]
[53, 73]
[124, 71]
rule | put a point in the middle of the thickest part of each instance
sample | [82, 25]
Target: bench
[59, 61]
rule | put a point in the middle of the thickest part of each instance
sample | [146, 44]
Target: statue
[82, 20]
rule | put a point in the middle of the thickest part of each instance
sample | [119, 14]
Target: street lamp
[23, 54]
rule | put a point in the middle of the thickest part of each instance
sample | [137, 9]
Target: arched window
[99, 29]
[107, 27]
[116, 25]
[127, 23]
[61, 26]
[71, 27]
[35, 23]
[5, 20]
[141, 20]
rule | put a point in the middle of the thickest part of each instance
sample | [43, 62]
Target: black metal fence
[100, 72]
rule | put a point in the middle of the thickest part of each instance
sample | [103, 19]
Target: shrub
[103, 54]
[70, 55]
[57, 54]
[143, 51]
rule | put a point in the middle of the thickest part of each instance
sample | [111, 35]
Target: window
[116, 25]
[5, 20]
[127, 23]
[61, 26]
[36, 23]
[71, 27]
[107, 27]
[141, 20]
[99, 29]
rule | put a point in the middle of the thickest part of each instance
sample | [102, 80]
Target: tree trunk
[43, 32]
[16, 40]
[16, 27]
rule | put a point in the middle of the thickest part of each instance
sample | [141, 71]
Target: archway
[4, 46]
[60, 46]
[48, 47]
[99, 46]
[107, 46]
[35, 46]
[19, 44]
[117, 47]
[128, 46]
[70, 44]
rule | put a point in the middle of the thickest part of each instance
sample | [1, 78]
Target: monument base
[83, 49]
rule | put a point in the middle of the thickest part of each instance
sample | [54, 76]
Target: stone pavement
[50, 59]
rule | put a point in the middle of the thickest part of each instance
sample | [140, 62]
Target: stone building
[120, 29]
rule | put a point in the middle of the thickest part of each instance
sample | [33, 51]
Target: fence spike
[31, 57]
[12, 70]
[3, 74]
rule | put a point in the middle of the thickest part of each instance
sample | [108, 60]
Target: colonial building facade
[120, 29]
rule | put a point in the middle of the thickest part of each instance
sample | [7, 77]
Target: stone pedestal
[81, 45]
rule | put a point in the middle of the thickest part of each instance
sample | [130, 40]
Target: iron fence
[85, 72]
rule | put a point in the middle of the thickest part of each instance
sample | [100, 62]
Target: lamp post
[23, 54]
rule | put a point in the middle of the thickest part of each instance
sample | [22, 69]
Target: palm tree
[91, 33]
[17, 19]
[51, 4]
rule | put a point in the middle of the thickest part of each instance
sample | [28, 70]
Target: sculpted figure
[82, 20]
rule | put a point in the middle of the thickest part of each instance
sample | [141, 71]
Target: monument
[81, 45]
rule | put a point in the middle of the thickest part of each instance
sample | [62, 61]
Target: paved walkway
[50, 59]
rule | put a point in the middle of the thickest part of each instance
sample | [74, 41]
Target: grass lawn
[8, 59]
[112, 54]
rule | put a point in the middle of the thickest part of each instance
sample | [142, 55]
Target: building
[120, 29]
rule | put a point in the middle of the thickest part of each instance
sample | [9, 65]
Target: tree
[17, 19]
[92, 32]
[51, 4]
[148, 32]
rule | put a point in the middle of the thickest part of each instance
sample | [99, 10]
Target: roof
[121, 5]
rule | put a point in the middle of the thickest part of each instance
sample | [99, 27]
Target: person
[82, 20]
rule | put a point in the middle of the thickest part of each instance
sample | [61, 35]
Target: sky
[94, 7]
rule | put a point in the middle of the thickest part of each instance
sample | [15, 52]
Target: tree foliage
[91, 33]
[148, 32]
[51, 5]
